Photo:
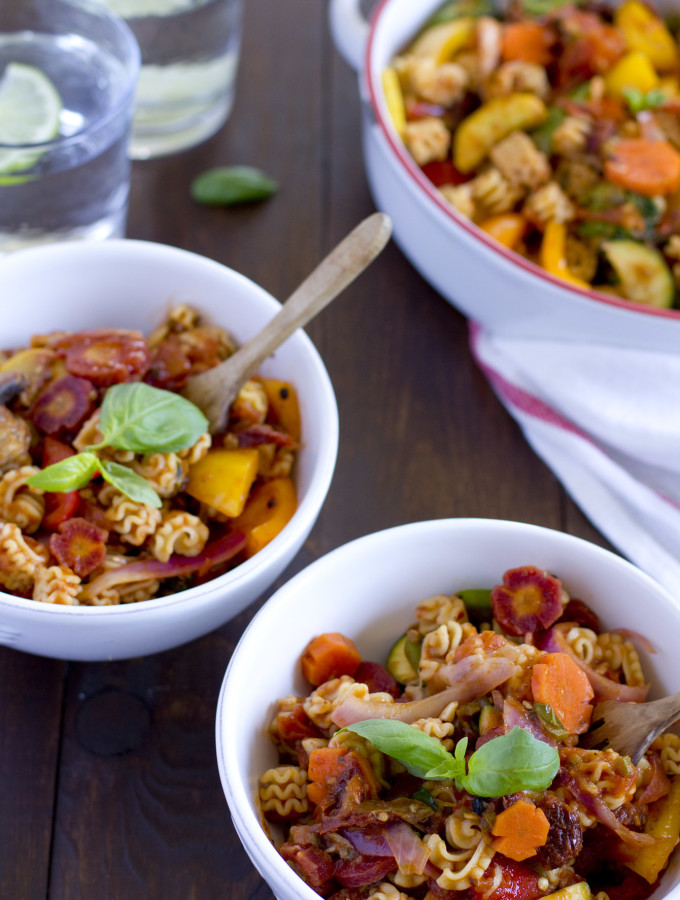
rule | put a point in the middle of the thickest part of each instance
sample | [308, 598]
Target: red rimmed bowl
[486, 282]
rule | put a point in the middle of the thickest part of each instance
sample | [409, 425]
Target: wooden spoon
[629, 728]
[215, 390]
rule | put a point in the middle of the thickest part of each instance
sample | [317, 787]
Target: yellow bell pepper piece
[632, 71]
[223, 479]
[269, 508]
[647, 33]
[663, 824]
[443, 41]
[492, 122]
[506, 228]
[553, 254]
[394, 99]
[579, 891]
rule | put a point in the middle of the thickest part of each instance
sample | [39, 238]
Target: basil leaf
[424, 796]
[512, 762]
[129, 482]
[547, 715]
[639, 100]
[146, 419]
[419, 753]
[67, 475]
[227, 185]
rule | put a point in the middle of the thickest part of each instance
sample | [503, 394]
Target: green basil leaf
[547, 715]
[129, 482]
[146, 419]
[424, 796]
[419, 753]
[69, 474]
[227, 185]
[512, 762]
[639, 100]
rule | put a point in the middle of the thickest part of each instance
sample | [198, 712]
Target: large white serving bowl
[132, 284]
[485, 281]
[368, 590]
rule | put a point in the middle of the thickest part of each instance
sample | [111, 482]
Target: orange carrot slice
[329, 655]
[520, 830]
[647, 167]
[561, 684]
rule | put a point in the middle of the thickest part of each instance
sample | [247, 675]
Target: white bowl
[131, 284]
[368, 590]
[485, 281]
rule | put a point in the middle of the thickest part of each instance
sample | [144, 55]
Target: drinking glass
[68, 71]
[190, 51]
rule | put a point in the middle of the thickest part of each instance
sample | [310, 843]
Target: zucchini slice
[643, 272]
[402, 660]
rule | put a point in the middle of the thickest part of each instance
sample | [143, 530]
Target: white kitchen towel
[606, 420]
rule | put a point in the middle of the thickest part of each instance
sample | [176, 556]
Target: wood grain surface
[109, 783]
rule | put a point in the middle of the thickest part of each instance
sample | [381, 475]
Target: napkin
[606, 420]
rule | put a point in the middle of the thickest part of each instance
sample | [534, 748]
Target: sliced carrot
[269, 507]
[560, 683]
[528, 42]
[329, 655]
[520, 830]
[647, 167]
[507, 228]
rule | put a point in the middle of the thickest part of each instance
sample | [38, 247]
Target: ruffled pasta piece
[439, 610]
[89, 433]
[251, 403]
[440, 84]
[438, 729]
[20, 556]
[549, 204]
[283, 792]
[604, 774]
[275, 462]
[494, 194]
[461, 868]
[520, 162]
[134, 522]
[197, 451]
[437, 646]
[516, 76]
[387, 891]
[620, 655]
[323, 701]
[19, 503]
[165, 472]
[427, 139]
[460, 197]
[571, 136]
[668, 748]
[56, 584]
[407, 879]
[179, 532]
[583, 644]
[113, 595]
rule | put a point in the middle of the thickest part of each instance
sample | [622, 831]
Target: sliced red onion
[216, 552]
[474, 676]
[410, 852]
[599, 809]
[640, 639]
[479, 680]
[555, 641]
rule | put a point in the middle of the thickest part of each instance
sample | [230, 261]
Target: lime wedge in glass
[30, 106]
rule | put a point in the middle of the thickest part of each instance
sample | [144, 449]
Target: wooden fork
[629, 728]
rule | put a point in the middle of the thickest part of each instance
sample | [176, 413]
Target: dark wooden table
[109, 788]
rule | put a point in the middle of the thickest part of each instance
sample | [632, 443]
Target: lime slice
[136, 9]
[30, 106]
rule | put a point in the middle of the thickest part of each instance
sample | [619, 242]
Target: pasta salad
[455, 768]
[555, 127]
[112, 489]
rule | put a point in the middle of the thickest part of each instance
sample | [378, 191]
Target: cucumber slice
[644, 274]
[402, 660]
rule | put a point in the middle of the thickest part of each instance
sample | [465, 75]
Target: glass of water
[190, 52]
[68, 70]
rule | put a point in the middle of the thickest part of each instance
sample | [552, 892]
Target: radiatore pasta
[362, 815]
[95, 544]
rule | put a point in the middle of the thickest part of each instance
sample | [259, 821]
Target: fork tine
[597, 738]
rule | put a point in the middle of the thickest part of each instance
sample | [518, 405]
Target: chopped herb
[638, 100]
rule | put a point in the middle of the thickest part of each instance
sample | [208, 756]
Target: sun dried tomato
[80, 545]
[64, 405]
[106, 356]
[173, 360]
